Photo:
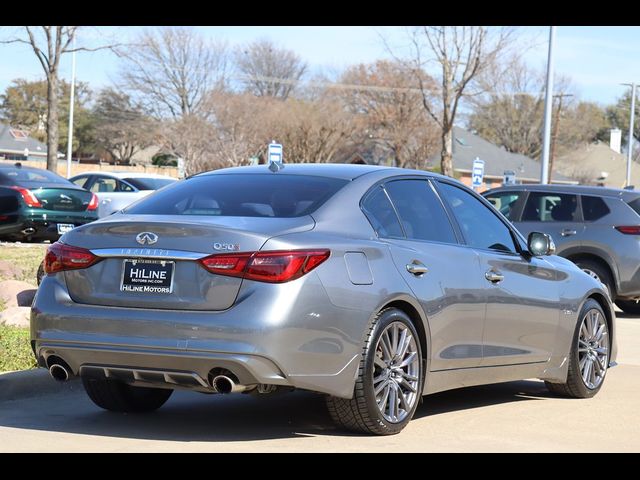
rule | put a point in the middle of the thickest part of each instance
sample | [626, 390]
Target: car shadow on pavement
[192, 417]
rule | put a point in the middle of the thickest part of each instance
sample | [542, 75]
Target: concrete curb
[32, 383]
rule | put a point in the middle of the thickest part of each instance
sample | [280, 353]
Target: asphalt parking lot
[511, 417]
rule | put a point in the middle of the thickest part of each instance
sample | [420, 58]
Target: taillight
[629, 229]
[29, 198]
[62, 257]
[93, 204]
[271, 267]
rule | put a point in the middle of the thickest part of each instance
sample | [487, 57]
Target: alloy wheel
[593, 349]
[396, 372]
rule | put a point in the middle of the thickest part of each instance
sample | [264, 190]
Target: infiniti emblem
[146, 238]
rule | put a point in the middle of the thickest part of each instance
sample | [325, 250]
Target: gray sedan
[371, 285]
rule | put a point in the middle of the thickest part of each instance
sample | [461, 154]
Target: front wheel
[117, 396]
[390, 378]
[589, 356]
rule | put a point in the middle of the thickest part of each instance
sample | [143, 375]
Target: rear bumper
[42, 225]
[288, 334]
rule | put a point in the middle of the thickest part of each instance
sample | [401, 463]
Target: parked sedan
[116, 190]
[37, 204]
[371, 285]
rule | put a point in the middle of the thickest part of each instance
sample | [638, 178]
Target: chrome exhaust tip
[59, 372]
[28, 231]
[224, 384]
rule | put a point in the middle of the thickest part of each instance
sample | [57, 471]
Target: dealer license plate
[65, 227]
[147, 276]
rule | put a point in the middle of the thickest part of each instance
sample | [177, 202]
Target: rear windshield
[241, 195]
[635, 204]
[29, 178]
[149, 183]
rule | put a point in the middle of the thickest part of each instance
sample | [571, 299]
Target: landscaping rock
[16, 316]
[9, 270]
[15, 293]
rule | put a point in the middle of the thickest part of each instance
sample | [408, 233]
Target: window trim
[429, 180]
[516, 237]
[371, 191]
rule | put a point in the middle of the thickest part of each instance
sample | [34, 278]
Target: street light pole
[548, 103]
[630, 142]
[72, 101]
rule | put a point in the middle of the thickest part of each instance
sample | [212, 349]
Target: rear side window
[422, 215]
[593, 208]
[383, 218]
[550, 207]
[635, 204]
[504, 202]
[149, 183]
[241, 195]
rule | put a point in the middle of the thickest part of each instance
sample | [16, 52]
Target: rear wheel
[390, 378]
[599, 272]
[117, 396]
[589, 357]
[629, 306]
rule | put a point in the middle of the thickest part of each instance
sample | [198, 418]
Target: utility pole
[548, 100]
[631, 125]
[72, 101]
[554, 135]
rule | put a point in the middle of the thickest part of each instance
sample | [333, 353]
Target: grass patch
[15, 349]
[28, 257]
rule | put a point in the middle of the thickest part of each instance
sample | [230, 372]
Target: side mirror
[540, 244]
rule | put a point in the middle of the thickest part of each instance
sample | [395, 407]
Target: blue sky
[597, 59]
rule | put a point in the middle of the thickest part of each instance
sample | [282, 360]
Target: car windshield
[243, 195]
[30, 177]
[149, 183]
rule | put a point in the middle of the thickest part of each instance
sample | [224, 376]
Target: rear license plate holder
[65, 227]
[147, 276]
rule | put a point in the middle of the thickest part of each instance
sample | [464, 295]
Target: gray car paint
[596, 239]
[309, 333]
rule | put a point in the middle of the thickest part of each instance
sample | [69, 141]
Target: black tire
[629, 306]
[40, 274]
[575, 386]
[117, 396]
[601, 271]
[361, 413]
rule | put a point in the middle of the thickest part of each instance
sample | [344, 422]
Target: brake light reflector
[61, 257]
[29, 198]
[93, 204]
[629, 229]
[270, 266]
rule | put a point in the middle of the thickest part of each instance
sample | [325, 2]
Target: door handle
[493, 276]
[567, 232]
[417, 268]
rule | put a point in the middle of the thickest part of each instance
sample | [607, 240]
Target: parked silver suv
[597, 228]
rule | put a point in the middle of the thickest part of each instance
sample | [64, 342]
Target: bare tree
[461, 54]
[269, 71]
[171, 70]
[49, 43]
[390, 110]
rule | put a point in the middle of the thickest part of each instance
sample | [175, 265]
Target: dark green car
[37, 204]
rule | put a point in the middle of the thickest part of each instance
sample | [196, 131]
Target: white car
[116, 190]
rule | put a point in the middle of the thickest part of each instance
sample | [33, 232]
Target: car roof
[126, 174]
[576, 189]
[346, 171]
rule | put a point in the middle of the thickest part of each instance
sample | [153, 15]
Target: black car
[37, 204]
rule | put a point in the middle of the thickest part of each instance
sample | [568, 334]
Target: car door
[521, 292]
[555, 213]
[443, 276]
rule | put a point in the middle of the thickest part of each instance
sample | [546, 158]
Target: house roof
[467, 146]
[14, 140]
[591, 160]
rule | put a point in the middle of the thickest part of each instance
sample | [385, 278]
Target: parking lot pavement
[516, 416]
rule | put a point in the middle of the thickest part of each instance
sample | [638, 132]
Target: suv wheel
[389, 382]
[597, 271]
